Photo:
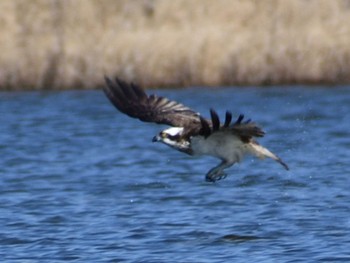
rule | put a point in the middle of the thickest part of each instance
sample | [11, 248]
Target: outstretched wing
[134, 102]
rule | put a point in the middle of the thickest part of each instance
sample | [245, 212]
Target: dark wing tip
[109, 85]
[113, 93]
[228, 119]
[215, 120]
[205, 128]
[239, 119]
[124, 96]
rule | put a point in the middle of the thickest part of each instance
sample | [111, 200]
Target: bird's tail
[261, 152]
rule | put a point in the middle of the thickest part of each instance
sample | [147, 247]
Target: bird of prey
[190, 133]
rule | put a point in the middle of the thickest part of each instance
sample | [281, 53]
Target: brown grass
[61, 44]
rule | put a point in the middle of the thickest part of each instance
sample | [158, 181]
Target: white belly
[222, 145]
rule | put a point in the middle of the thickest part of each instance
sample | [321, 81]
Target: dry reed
[63, 44]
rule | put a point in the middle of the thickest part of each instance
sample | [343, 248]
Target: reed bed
[69, 44]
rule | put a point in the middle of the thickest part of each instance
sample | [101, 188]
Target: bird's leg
[217, 173]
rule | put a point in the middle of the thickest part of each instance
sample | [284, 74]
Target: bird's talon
[216, 176]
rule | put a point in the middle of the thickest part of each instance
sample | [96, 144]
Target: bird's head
[173, 137]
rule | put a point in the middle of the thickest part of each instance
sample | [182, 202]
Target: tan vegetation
[58, 44]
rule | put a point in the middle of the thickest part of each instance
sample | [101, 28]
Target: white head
[169, 136]
[174, 131]
[173, 138]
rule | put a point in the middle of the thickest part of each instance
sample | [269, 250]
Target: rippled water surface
[80, 182]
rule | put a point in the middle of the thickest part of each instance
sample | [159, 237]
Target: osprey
[190, 132]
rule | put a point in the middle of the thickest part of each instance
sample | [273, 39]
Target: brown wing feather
[247, 128]
[244, 129]
[134, 102]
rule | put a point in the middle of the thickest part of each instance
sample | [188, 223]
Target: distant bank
[55, 44]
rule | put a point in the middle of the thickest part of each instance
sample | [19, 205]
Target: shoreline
[58, 45]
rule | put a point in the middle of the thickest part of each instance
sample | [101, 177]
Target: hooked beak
[156, 138]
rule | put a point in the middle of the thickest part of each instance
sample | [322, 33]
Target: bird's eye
[163, 135]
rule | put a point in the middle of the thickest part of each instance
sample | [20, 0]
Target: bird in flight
[190, 133]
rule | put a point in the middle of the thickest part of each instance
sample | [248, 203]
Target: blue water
[80, 182]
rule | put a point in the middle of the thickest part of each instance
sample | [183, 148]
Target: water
[80, 182]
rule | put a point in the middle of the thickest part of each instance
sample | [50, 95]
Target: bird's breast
[221, 145]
